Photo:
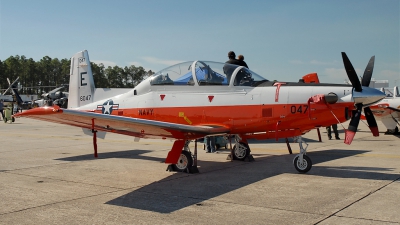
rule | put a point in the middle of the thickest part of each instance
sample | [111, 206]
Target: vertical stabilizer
[81, 83]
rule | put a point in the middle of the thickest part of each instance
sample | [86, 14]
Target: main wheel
[304, 166]
[184, 162]
[242, 152]
[5, 120]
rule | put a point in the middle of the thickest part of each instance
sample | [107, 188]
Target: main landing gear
[394, 131]
[187, 161]
[241, 150]
[302, 162]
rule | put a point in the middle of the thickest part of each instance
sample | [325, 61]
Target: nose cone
[368, 96]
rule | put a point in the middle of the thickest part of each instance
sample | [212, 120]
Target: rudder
[81, 83]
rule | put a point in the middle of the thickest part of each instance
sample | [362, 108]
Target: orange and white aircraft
[194, 99]
[388, 111]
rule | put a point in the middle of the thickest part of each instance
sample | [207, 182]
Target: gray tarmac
[48, 175]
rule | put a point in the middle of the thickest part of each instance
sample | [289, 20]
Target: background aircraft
[388, 111]
[55, 96]
[194, 99]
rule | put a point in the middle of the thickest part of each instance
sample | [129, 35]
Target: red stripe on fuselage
[248, 119]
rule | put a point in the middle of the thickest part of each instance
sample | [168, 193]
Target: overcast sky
[281, 40]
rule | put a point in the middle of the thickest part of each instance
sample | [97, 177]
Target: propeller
[366, 79]
[14, 92]
[10, 85]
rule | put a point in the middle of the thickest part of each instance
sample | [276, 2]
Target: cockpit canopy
[201, 73]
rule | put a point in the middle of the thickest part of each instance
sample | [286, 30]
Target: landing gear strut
[302, 162]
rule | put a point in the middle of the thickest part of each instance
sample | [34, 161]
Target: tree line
[47, 74]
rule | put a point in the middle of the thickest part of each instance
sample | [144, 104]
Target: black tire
[303, 167]
[5, 120]
[217, 146]
[13, 120]
[185, 161]
[241, 154]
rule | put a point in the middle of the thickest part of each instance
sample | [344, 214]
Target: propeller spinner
[363, 97]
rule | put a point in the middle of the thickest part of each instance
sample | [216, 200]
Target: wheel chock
[193, 169]
[170, 168]
[249, 158]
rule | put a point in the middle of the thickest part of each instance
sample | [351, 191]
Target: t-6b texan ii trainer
[194, 99]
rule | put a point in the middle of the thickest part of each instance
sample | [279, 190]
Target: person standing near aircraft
[15, 107]
[233, 60]
[210, 144]
[1, 109]
[334, 127]
[228, 70]
[241, 59]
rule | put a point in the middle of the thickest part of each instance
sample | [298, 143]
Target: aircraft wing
[394, 109]
[383, 109]
[123, 125]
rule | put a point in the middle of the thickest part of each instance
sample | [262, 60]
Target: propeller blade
[373, 126]
[368, 72]
[353, 125]
[6, 91]
[351, 73]
[10, 85]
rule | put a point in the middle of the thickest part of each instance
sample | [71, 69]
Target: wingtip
[38, 111]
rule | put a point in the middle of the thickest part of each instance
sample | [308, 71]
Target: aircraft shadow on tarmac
[128, 154]
[181, 190]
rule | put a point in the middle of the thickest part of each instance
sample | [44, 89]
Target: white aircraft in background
[55, 96]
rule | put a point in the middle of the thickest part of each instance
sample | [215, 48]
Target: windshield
[246, 77]
[206, 73]
[178, 74]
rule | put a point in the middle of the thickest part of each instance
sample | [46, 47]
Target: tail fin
[81, 83]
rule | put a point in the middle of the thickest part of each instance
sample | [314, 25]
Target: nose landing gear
[302, 163]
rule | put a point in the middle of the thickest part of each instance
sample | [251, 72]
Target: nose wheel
[302, 163]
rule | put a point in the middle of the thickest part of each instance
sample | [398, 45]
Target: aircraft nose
[368, 96]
